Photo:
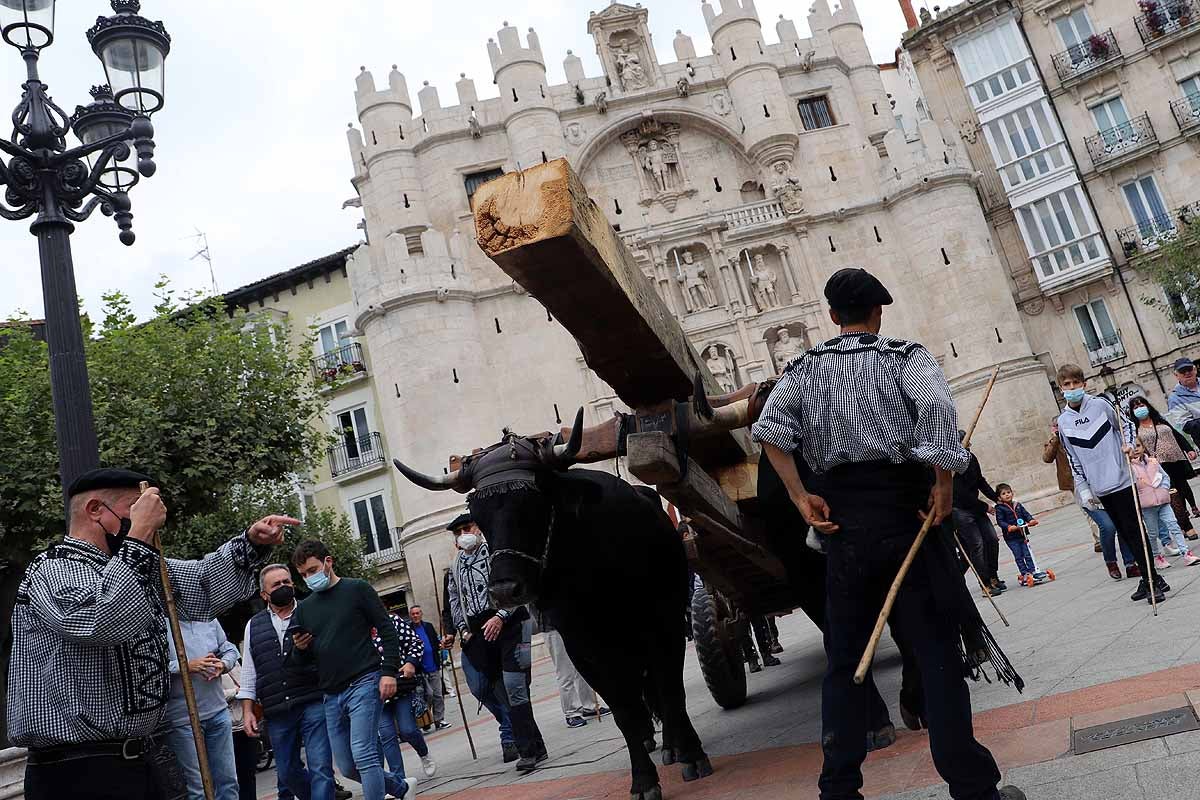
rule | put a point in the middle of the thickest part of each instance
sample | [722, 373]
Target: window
[355, 431]
[1148, 210]
[371, 522]
[994, 63]
[477, 179]
[1099, 334]
[815, 113]
[1191, 90]
[1027, 144]
[1112, 120]
[1059, 233]
[1074, 30]
[334, 336]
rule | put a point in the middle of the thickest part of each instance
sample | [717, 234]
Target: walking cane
[189, 695]
[453, 674]
[1137, 504]
[869, 653]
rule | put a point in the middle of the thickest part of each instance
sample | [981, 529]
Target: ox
[579, 543]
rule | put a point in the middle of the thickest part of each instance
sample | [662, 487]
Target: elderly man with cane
[89, 676]
[874, 421]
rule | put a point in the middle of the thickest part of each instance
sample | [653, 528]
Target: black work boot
[1011, 793]
[1142, 591]
[529, 738]
[510, 751]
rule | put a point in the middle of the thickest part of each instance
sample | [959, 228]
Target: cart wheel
[717, 647]
[1050, 574]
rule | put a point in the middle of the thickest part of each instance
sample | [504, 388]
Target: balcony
[1148, 235]
[764, 212]
[1105, 350]
[339, 365]
[1165, 21]
[1187, 327]
[1091, 57]
[1187, 114]
[389, 551]
[355, 456]
[1122, 144]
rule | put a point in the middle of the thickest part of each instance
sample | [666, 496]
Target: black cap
[461, 521]
[856, 287]
[106, 478]
[1183, 363]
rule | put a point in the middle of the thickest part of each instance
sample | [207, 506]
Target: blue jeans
[352, 719]
[1021, 552]
[1108, 537]
[396, 724]
[291, 730]
[1163, 529]
[479, 687]
[218, 737]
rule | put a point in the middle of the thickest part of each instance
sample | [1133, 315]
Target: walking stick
[189, 695]
[982, 585]
[868, 655]
[453, 674]
[1137, 504]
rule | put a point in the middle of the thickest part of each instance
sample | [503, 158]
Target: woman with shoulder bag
[398, 722]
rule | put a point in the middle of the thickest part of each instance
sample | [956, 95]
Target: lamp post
[62, 185]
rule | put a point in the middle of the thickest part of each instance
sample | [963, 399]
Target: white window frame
[1107, 104]
[1108, 350]
[1072, 20]
[355, 462]
[1073, 249]
[1157, 229]
[338, 341]
[373, 535]
[1010, 124]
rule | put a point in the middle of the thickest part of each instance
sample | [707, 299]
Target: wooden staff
[869, 653]
[437, 600]
[1137, 504]
[189, 695]
[986, 592]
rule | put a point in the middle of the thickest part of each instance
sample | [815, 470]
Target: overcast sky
[251, 143]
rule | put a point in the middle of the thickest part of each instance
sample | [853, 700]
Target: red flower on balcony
[1098, 46]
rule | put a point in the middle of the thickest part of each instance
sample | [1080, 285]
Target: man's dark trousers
[1123, 512]
[105, 778]
[876, 506]
[979, 539]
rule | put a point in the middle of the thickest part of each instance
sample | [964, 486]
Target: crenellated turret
[527, 111]
[465, 88]
[685, 50]
[754, 85]
[428, 98]
[849, 44]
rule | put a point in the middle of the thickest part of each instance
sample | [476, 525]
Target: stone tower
[534, 131]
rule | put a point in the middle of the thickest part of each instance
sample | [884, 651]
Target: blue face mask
[1074, 396]
[1141, 412]
[318, 582]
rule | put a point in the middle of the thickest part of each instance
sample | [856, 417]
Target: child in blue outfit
[1014, 522]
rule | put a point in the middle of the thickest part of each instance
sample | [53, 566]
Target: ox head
[511, 486]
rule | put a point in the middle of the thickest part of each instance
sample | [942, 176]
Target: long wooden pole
[982, 585]
[189, 694]
[453, 673]
[869, 653]
[1137, 504]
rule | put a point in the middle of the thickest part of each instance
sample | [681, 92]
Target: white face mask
[467, 541]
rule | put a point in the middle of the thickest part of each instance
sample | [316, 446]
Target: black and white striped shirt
[89, 657]
[860, 397]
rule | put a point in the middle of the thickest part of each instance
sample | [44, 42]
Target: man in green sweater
[333, 627]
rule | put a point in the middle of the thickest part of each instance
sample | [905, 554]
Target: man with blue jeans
[211, 654]
[332, 627]
[291, 699]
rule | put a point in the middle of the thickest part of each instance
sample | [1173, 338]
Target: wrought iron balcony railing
[343, 362]
[1187, 113]
[1105, 350]
[356, 453]
[384, 547]
[1187, 327]
[1162, 20]
[1108, 147]
[1150, 234]
[1087, 57]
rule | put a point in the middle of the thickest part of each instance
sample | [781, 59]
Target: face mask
[1074, 396]
[468, 541]
[318, 582]
[282, 596]
[1141, 412]
[114, 540]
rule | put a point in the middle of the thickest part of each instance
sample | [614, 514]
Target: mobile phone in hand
[299, 629]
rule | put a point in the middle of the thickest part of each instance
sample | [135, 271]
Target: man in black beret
[876, 427]
[89, 675]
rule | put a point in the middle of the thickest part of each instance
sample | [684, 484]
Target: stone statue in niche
[764, 284]
[697, 294]
[658, 162]
[786, 348]
[654, 149]
[682, 87]
[785, 188]
[629, 68]
[719, 366]
[601, 102]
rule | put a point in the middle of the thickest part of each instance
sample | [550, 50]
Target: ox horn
[705, 418]
[456, 480]
[564, 454]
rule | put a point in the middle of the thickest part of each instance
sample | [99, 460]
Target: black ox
[583, 545]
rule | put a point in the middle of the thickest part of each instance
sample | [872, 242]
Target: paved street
[1088, 655]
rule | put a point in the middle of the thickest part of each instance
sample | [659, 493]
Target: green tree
[1175, 266]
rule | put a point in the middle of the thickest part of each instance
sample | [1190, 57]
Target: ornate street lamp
[62, 185]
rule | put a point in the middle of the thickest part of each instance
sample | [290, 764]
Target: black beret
[856, 287]
[461, 521]
[106, 478]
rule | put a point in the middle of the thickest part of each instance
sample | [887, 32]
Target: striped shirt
[860, 397]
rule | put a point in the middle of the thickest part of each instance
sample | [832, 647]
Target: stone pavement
[1088, 656]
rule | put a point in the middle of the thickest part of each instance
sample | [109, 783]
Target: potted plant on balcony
[329, 374]
[1098, 47]
[1130, 247]
[1153, 16]
[358, 366]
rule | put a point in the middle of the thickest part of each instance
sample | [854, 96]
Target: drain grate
[1136, 729]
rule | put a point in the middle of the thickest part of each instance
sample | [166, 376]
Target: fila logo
[1082, 421]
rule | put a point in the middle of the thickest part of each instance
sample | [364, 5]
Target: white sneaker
[1161, 563]
[1172, 550]
[429, 767]
[411, 792]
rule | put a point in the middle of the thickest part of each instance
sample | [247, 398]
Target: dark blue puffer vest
[280, 686]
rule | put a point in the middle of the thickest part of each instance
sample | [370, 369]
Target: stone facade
[741, 179]
[1082, 118]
